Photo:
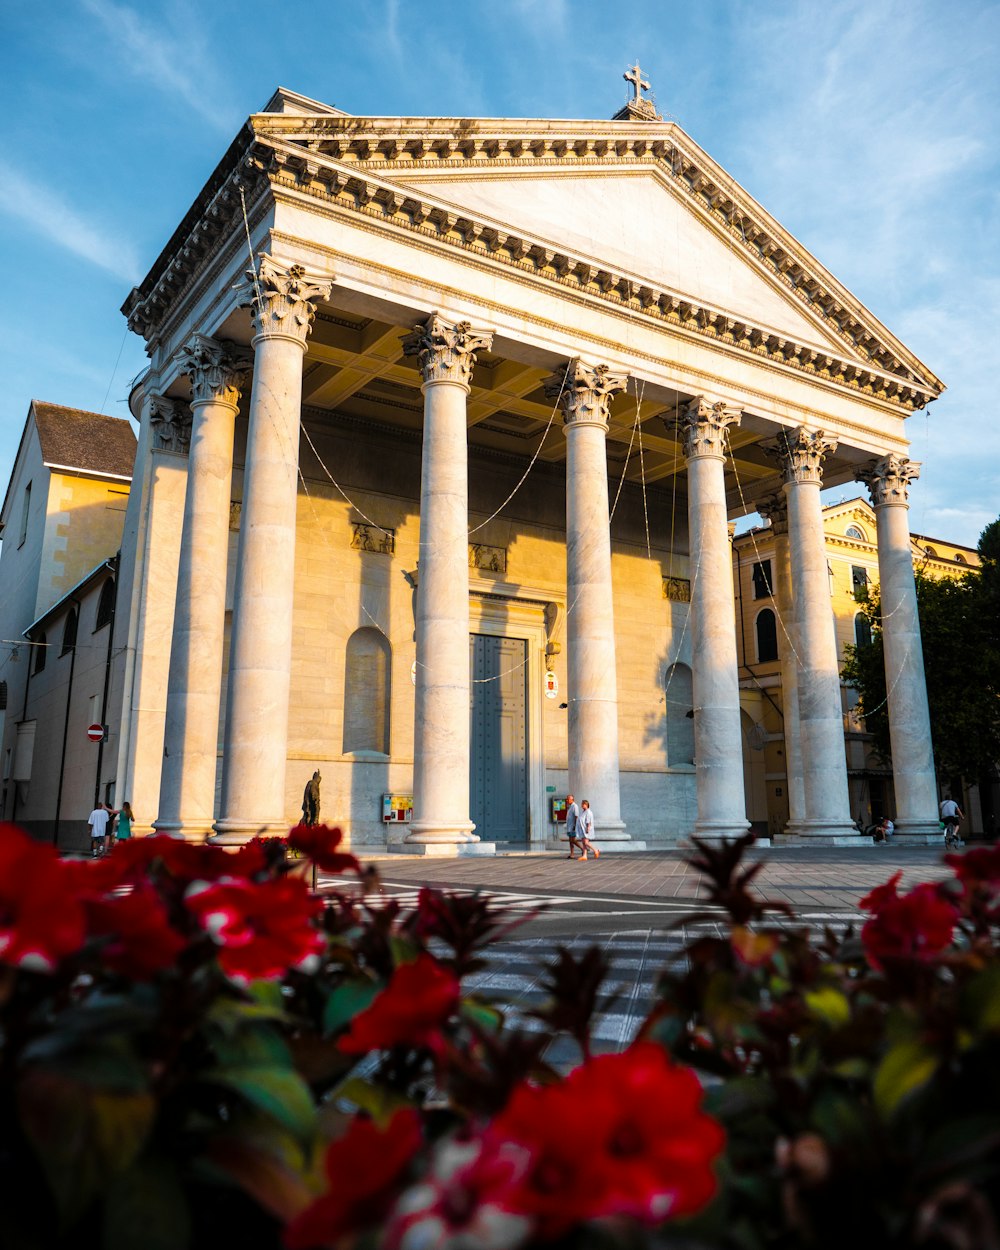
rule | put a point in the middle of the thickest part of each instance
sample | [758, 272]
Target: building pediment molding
[355, 165]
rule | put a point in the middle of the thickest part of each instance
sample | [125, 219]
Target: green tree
[960, 630]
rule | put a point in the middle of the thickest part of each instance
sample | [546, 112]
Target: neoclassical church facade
[443, 429]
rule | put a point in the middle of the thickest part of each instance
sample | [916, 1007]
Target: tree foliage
[960, 631]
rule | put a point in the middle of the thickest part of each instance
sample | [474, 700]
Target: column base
[443, 850]
[238, 832]
[189, 830]
[617, 848]
[430, 831]
[919, 832]
[611, 831]
[724, 830]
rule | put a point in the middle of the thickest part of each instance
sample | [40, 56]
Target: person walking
[123, 829]
[951, 815]
[572, 826]
[98, 823]
[586, 828]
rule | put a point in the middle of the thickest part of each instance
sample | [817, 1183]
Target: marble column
[913, 771]
[283, 302]
[827, 809]
[718, 740]
[584, 393]
[446, 353]
[775, 509]
[218, 371]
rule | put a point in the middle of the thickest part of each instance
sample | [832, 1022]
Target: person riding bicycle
[951, 815]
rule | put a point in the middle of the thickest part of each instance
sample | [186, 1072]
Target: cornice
[291, 157]
[404, 145]
[363, 194]
[698, 377]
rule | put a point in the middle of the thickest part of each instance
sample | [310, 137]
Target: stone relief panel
[368, 537]
[677, 589]
[487, 559]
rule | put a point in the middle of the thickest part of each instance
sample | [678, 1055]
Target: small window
[25, 510]
[959, 558]
[930, 553]
[41, 647]
[859, 581]
[855, 531]
[106, 606]
[767, 637]
[862, 630]
[3, 695]
[762, 580]
[69, 632]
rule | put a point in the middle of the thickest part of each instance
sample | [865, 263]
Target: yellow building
[762, 637]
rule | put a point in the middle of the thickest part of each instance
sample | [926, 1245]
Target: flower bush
[197, 1051]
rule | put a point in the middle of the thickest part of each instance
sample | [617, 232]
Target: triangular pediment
[631, 220]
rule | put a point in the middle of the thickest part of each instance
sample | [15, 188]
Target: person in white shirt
[586, 828]
[951, 814]
[98, 823]
[572, 825]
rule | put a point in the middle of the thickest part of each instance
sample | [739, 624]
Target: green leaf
[346, 1002]
[380, 1103]
[279, 1092]
[485, 1015]
[254, 1045]
[981, 999]
[146, 1207]
[907, 1067]
[267, 1167]
[81, 1135]
[829, 1005]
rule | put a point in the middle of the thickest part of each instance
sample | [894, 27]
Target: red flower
[623, 1135]
[981, 865]
[916, 925]
[319, 843]
[363, 1168]
[410, 1011]
[262, 928]
[41, 919]
[142, 940]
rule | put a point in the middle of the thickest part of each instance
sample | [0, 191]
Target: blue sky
[867, 127]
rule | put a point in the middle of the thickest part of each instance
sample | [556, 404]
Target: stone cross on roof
[639, 84]
[638, 108]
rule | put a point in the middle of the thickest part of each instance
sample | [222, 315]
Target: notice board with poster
[397, 809]
[558, 813]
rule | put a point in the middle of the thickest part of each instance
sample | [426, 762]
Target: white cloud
[41, 209]
[175, 63]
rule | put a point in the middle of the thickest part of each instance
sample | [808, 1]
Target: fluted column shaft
[821, 719]
[715, 677]
[775, 508]
[194, 686]
[914, 777]
[256, 740]
[441, 823]
[584, 393]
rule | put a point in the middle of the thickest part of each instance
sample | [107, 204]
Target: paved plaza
[629, 904]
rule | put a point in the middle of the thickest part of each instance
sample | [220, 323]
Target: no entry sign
[95, 733]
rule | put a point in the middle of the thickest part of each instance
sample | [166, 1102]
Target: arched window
[69, 631]
[959, 558]
[106, 606]
[367, 692]
[855, 531]
[862, 630]
[40, 652]
[680, 717]
[767, 636]
[930, 553]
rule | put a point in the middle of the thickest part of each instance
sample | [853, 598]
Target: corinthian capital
[584, 392]
[218, 369]
[888, 479]
[283, 299]
[800, 454]
[703, 427]
[170, 422]
[446, 351]
[774, 508]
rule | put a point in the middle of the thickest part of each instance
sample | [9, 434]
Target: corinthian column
[909, 717]
[718, 741]
[827, 813]
[775, 509]
[283, 302]
[194, 686]
[441, 826]
[584, 392]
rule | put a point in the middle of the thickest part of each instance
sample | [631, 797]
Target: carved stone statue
[310, 800]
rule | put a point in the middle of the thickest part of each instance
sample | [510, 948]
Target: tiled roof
[87, 441]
